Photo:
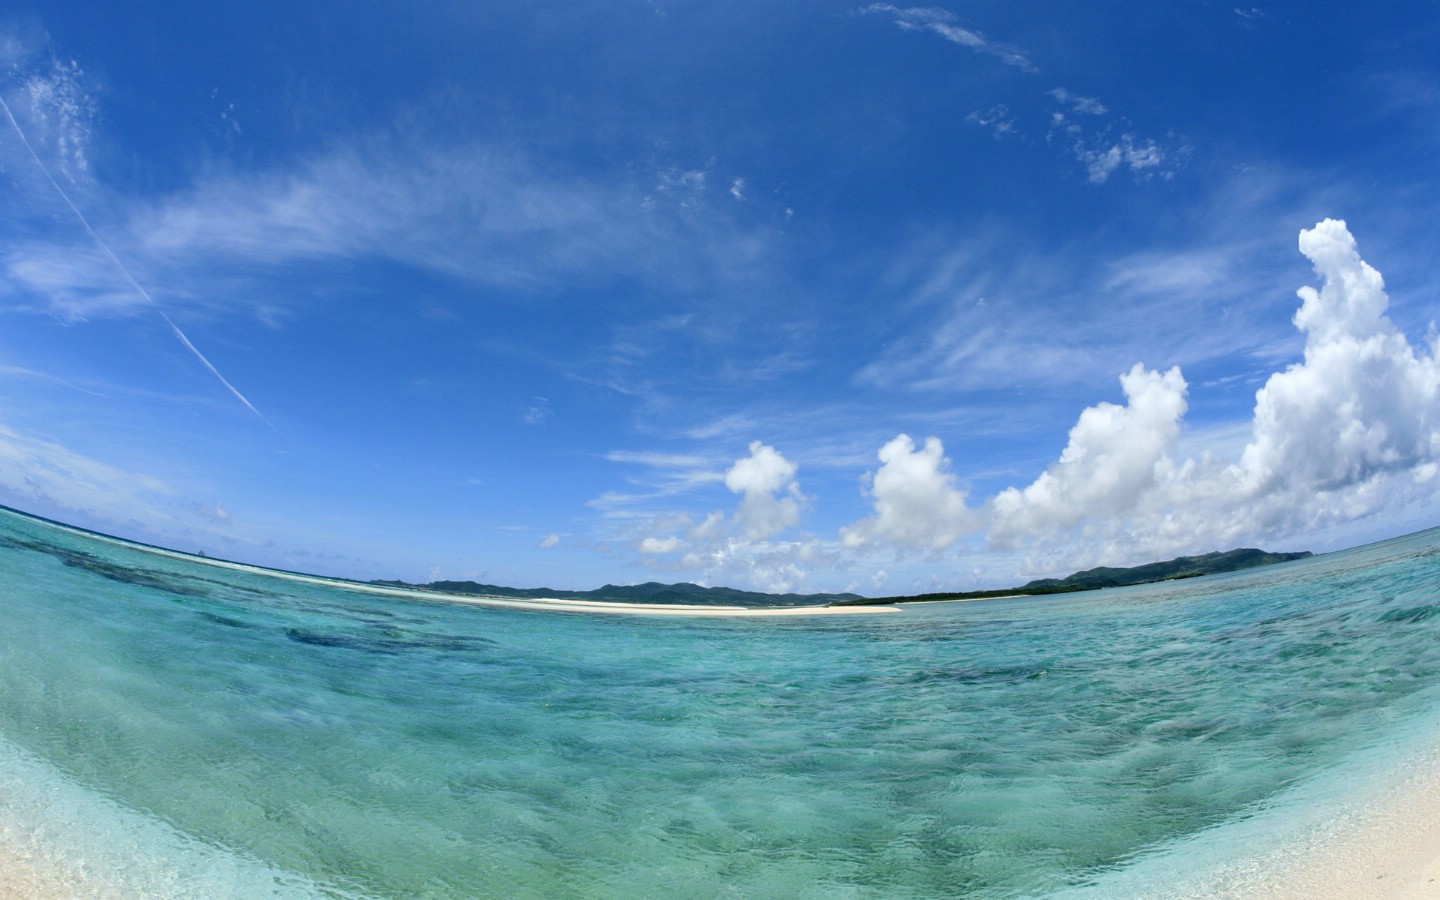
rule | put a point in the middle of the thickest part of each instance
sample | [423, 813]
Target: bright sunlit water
[263, 737]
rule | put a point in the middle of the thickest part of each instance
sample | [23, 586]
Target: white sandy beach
[1388, 850]
[549, 604]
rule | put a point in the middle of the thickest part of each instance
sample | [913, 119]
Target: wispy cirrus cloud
[59, 95]
[947, 25]
[473, 212]
[31, 374]
[1103, 142]
[986, 313]
[47, 476]
[484, 214]
[1350, 432]
[64, 114]
[656, 477]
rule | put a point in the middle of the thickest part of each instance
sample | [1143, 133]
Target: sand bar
[546, 604]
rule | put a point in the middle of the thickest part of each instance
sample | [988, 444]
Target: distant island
[694, 594]
[1107, 576]
[651, 592]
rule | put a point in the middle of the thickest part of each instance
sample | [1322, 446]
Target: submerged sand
[21, 877]
[1387, 849]
[1387, 852]
[550, 604]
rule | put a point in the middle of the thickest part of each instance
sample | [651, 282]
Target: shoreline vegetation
[689, 594]
[1108, 577]
[688, 599]
[1383, 848]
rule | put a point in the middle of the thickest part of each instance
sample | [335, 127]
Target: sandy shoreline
[548, 604]
[1382, 841]
[1385, 849]
[21, 877]
[554, 604]
[1390, 851]
[1367, 828]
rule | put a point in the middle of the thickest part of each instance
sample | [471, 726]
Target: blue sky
[800, 296]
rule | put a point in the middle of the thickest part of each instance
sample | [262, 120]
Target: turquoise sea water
[176, 728]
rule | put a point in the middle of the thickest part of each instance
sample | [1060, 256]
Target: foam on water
[304, 736]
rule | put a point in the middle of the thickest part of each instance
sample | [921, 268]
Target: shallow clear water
[346, 743]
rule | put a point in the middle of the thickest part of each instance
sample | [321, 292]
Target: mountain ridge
[689, 593]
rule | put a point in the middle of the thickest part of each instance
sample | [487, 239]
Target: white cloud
[61, 117]
[1087, 106]
[917, 503]
[997, 119]
[475, 212]
[1103, 158]
[1339, 439]
[50, 478]
[1115, 455]
[1087, 127]
[1363, 402]
[942, 22]
[659, 460]
[538, 412]
[1350, 432]
[548, 541]
[660, 475]
[724, 427]
[740, 547]
[771, 497]
[657, 545]
[1100, 163]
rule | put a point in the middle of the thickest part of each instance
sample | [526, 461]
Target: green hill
[1180, 567]
[686, 593]
[1105, 576]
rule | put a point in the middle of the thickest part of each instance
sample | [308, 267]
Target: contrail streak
[121, 266]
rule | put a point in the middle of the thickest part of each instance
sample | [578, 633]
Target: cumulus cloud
[1115, 454]
[917, 502]
[1350, 431]
[771, 496]
[548, 541]
[739, 547]
[1362, 404]
[658, 545]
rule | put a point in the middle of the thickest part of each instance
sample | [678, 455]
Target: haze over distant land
[830, 297]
